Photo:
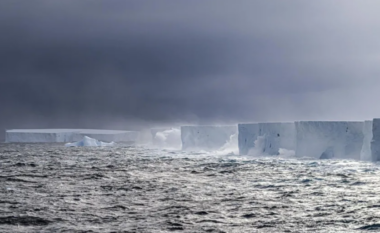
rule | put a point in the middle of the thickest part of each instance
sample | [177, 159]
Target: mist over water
[168, 139]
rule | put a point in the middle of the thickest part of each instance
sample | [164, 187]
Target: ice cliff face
[375, 143]
[271, 136]
[328, 139]
[39, 135]
[316, 139]
[248, 134]
[366, 149]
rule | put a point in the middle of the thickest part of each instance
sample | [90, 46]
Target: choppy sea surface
[52, 188]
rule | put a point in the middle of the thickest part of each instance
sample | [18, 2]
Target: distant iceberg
[68, 135]
[87, 141]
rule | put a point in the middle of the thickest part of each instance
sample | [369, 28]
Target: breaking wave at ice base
[168, 139]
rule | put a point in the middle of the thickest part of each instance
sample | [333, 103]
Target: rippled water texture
[50, 188]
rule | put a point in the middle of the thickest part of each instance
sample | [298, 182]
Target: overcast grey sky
[114, 63]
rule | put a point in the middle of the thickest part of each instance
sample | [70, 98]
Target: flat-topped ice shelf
[266, 138]
[330, 139]
[68, 135]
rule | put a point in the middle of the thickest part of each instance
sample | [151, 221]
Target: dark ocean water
[51, 188]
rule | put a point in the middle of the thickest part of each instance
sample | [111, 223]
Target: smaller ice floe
[87, 141]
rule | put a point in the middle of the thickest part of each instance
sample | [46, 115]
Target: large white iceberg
[87, 141]
[39, 135]
[68, 135]
[366, 149]
[329, 139]
[375, 143]
[266, 138]
[206, 137]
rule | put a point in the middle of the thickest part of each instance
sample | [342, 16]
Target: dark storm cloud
[63, 62]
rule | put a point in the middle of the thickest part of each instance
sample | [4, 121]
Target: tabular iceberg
[248, 134]
[68, 135]
[87, 141]
[375, 143]
[366, 149]
[39, 135]
[266, 138]
[329, 139]
[206, 137]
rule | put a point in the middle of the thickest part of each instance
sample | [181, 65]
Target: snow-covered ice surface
[51, 188]
[326, 139]
[87, 141]
[273, 137]
[69, 135]
[206, 137]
